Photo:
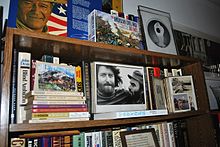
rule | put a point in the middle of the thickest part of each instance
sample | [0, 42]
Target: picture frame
[143, 138]
[182, 87]
[122, 100]
[157, 30]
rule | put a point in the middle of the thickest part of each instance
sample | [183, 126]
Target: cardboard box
[103, 27]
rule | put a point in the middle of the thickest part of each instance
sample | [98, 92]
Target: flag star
[61, 10]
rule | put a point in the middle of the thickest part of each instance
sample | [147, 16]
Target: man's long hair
[115, 71]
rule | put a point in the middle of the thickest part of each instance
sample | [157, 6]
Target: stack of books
[55, 106]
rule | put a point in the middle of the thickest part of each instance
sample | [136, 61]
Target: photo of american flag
[57, 23]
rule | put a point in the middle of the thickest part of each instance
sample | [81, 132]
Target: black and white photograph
[181, 102]
[117, 87]
[157, 30]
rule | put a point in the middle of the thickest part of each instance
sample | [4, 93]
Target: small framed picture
[143, 138]
[156, 30]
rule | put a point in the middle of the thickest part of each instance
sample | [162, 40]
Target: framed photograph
[143, 138]
[117, 87]
[157, 30]
[213, 88]
[182, 87]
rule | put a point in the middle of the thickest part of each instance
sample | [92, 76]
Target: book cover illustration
[110, 29]
[53, 77]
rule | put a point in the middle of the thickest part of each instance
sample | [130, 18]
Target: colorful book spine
[23, 80]
[79, 79]
[56, 98]
[40, 110]
[55, 106]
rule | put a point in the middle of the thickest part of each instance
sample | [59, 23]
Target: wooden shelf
[41, 43]
[97, 123]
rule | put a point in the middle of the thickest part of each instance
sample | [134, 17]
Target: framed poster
[143, 138]
[156, 30]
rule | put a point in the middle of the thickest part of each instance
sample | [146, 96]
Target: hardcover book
[115, 30]
[23, 83]
[117, 87]
[54, 77]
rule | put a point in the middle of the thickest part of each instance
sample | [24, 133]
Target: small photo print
[181, 102]
[182, 84]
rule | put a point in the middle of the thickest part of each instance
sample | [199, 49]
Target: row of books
[45, 91]
[164, 134]
[43, 87]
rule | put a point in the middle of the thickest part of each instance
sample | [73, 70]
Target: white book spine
[23, 83]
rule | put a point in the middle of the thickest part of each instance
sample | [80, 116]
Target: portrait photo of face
[106, 80]
[33, 14]
[181, 102]
[118, 87]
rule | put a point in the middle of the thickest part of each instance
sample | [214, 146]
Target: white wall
[198, 17]
[5, 4]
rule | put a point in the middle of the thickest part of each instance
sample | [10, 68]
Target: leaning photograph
[119, 86]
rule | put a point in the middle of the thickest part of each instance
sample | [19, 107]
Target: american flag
[57, 23]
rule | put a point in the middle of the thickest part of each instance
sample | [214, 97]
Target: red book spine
[60, 110]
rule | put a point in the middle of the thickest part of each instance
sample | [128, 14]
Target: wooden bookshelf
[73, 51]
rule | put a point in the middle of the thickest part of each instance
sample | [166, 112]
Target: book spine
[49, 120]
[66, 141]
[86, 83]
[13, 101]
[79, 79]
[116, 138]
[15, 142]
[55, 106]
[60, 110]
[57, 98]
[54, 93]
[56, 141]
[88, 139]
[60, 115]
[109, 139]
[23, 86]
[33, 69]
[38, 102]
